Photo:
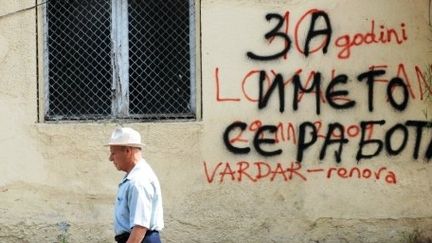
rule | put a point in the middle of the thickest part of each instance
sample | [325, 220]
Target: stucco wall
[57, 184]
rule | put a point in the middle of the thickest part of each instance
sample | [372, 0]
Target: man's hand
[137, 234]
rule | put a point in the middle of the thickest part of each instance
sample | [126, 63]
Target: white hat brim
[137, 145]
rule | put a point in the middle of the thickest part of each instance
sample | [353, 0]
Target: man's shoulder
[142, 173]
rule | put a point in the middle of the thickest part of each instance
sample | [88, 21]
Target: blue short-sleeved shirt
[139, 200]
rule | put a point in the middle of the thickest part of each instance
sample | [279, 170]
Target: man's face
[119, 155]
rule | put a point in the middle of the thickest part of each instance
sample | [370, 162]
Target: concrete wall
[57, 185]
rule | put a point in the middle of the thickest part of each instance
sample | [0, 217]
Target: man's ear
[128, 151]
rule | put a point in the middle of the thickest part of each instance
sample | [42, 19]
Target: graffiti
[308, 136]
[329, 90]
[330, 93]
[272, 34]
[384, 36]
[288, 132]
[312, 33]
[248, 81]
[260, 171]
[273, 85]
[380, 34]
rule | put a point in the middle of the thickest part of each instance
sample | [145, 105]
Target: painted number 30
[313, 32]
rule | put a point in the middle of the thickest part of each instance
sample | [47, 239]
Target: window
[119, 59]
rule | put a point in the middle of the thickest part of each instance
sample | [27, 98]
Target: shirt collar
[133, 172]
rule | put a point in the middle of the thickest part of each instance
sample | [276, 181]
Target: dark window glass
[159, 57]
[79, 58]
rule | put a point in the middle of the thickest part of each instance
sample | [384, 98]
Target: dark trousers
[151, 236]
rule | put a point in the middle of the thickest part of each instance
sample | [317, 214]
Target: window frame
[120, 104]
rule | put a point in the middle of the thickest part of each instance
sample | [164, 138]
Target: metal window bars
[119, 59]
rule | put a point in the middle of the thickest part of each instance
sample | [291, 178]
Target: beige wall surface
[327, 145]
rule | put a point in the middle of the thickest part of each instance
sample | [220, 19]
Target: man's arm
[137, 234]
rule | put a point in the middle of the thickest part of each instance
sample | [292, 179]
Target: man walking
[138, 215]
